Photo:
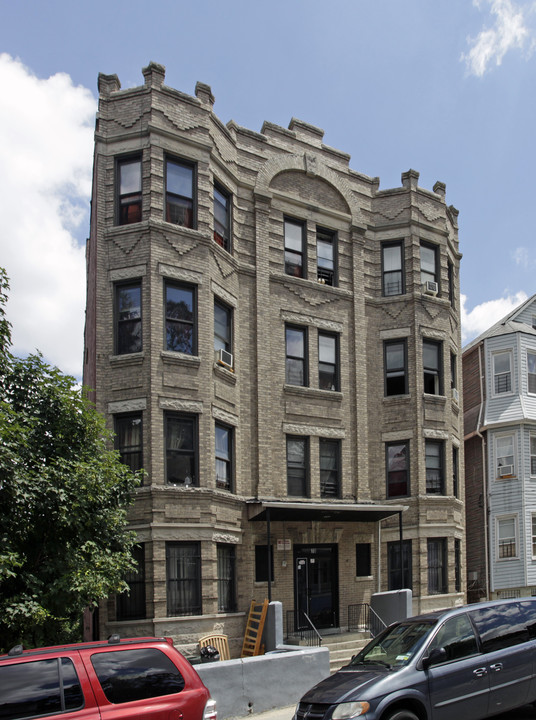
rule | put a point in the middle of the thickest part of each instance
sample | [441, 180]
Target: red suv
[111, 680]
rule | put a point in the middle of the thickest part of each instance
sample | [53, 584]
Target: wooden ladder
[254, 628]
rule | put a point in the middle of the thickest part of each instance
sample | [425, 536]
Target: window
[428, 263]
[392, 269]
[131, 603]
[457, 565]
[129, 190]
[435, 476]
[397, 463]
[455, 471]
[226, 578]
[222, 217]
[39, 687]
[437, 566]
[504, 449]
[534, 537]
[261, 563]
[496, 634]
[533, 454]
[224, 448]
[394, 567]
[363, 566]
[531, 372]
[128, 318]
[297, 465]
[328, 361]
[457, 637]
[450, 275]
[325, 254]
[181, 449]
[506, 538]
[180, 318]
[295, 365]
[431, 358]
[128, 440]
[330, 472]
[222, 327]
[183, 561]
[180, 193]
[453, 371]
[129, 675]
[502, 372]
[294, 248]
[395, 363]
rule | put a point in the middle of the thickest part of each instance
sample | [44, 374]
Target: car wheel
[402, 715]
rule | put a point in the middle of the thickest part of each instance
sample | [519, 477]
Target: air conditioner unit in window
[225, 358]
[430, 287]
[455, 395]
[505, 470]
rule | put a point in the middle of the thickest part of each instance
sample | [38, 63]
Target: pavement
[282, 713]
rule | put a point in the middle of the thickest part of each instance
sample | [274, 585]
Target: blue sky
[445, 87]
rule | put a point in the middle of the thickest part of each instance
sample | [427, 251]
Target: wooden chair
[220, 642]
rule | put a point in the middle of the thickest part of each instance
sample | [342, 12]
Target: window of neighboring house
[437, 566]
[326, 245]
[457, 566]
[128, 318]
[328, 361]
[429, 263]
[533, 454]
[534, 536]
[226, 578]
[295, 248]
[394, 566]
[224, 456]
[180, 193]
[506, 537]
[531, 372]
[502, 372]
[533, 322]
[129, 191]
[431, 354]
[181, 449]
[363, 565]
[395, 363]
[455, 471]
[128, 440]
[397, 464]
[330, 470]
[222, 217]
[261, 563]
[453, 371]
[223, 332]
[504, 451]
[180, 318]
[435, 473]
[131, 603]
[297, 465]
[392, 269]
[296, 356]
[183, 561]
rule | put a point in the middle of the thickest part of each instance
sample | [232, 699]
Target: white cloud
[510, 31]
[46, 145]
[483, 316]
[524, 258]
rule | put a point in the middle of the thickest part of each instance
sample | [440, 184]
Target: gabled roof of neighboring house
[508, 324]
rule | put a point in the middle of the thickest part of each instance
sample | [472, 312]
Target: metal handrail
[317, 636]
[310, 635]
[363, 617]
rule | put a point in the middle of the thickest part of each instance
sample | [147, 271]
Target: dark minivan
[466, 663]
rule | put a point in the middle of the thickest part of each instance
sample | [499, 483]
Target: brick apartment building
[277, 342]
[499, 380]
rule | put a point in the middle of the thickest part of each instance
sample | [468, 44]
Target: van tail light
[210, 710]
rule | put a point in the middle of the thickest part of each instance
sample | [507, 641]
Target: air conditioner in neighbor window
[225, 358]
[455, 395]
[430, 287]
[505, 470]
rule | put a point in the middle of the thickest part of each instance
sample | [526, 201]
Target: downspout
[269, 553]
[484, 472]
[379, 572]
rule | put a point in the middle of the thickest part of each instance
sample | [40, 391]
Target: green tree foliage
[64, 495]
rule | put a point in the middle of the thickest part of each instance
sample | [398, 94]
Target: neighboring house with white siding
[499, 371]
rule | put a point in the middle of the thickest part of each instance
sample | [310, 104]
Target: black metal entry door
[316, 585]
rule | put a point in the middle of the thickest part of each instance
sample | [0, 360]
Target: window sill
[506, 477]
[304, 391]
[177, 358]
[127, 359]
[224, 374]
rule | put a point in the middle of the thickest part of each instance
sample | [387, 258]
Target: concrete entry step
[343, 647]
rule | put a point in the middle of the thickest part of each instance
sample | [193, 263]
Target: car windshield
[395, 646]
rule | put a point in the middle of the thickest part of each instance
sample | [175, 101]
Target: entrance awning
[321, 511]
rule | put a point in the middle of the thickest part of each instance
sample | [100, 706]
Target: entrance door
[316, 585]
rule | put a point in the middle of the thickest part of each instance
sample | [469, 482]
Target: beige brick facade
[268, 177]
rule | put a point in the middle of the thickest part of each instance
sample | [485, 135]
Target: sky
[443, 87]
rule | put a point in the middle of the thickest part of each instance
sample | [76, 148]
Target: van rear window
[505, 625]
[127, 675]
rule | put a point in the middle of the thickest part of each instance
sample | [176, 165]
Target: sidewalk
[283, 713]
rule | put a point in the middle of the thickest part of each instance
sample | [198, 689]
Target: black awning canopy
[324, 511]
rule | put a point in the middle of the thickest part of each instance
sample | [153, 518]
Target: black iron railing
[362, 618]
